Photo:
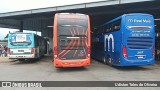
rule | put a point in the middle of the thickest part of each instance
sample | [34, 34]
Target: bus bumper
[71, 63]
[137, 62]
[21, 56]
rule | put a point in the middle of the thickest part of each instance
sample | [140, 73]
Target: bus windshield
[20, 39]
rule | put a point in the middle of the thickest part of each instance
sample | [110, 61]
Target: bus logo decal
[109, 37]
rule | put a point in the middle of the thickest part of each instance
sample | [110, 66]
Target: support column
[41, 27]
[21, 26]
[119, 1]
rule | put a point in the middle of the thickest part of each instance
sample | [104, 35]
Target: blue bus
[23, 46]
[128, 40]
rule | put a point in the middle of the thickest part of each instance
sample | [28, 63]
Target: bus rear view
[71, 40]
[20, 45]
[24, 46]
[138, 40]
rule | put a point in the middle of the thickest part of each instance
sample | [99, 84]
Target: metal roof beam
[68, 7]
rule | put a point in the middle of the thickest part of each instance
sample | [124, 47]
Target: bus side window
[116, 25]
[108, 28]
[97, 32]
[96, 39]
[100, 31]
[112, 27]
[103, 30]
[36, 41]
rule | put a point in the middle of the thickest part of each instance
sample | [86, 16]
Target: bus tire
[38, 58]
[109, 61]
[104, 60]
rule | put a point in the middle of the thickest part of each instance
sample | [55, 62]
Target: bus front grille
[139, 42]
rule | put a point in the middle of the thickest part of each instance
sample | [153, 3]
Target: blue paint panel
[115, 52]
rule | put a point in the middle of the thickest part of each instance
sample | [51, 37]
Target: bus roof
[21, 33]
[123, 16]
[70, 13]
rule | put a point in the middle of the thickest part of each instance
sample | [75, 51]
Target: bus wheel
[38, 58]
[104, 60]
[109, 61]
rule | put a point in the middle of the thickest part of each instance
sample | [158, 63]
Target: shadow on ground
[32, 61]
[71, 69]
[127, 68]
[133, 68]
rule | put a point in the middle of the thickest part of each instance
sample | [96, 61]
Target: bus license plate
[20, 50]
[140, 57]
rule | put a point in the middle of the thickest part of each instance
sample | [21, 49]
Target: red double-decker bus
[71, 39]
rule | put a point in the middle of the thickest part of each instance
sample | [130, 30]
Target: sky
[18, 5]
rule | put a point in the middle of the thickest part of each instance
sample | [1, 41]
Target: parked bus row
[127, 40]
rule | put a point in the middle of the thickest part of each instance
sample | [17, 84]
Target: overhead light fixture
[50, 26]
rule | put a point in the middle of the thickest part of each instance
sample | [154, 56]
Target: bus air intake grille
[139, 42]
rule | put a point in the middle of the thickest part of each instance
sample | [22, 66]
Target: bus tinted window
[116, 25]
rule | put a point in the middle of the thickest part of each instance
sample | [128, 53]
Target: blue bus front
[21, 45]
[138, 40]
